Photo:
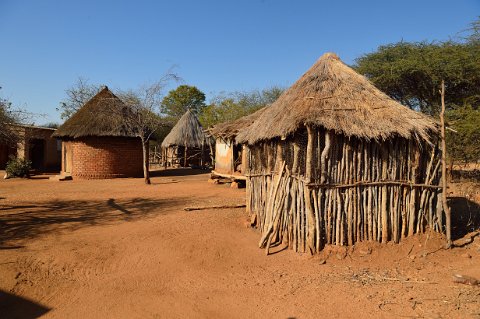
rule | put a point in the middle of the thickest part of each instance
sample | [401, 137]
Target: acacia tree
[411, 73]
[462, 144]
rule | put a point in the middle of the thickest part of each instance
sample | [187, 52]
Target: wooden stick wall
[348, 190]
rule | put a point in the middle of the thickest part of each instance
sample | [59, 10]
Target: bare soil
[122, 249]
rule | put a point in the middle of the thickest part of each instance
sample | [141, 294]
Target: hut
[229, 155]
[97, 143]
[336, 161]
[34, 143]
[186, 144]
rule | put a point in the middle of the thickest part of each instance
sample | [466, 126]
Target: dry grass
[187, 132]
[101, 116]
[334, 96]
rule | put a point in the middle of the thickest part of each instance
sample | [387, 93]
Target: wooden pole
[446, 209]
[201, 156]
[308, 202]
[185, 155]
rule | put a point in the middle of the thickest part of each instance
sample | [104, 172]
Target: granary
[97, 143]
[335, 161]
[229, 155]
[186, 144]
[33, 143]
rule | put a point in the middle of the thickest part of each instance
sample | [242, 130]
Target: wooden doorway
[37, 153]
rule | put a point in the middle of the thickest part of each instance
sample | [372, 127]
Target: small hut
[186, 144]
[336, 161]
[96, 142]
[229, 155]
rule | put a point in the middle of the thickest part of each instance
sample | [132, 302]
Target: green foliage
[229, 107]
[51, 125]
[17, 167]
[183, 98]
[411, 73]
[464, 144]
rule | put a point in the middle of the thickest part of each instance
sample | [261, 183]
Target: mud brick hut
[33, 143]
[186, 144]
[335, 161]
[229, 155]
[96, 142]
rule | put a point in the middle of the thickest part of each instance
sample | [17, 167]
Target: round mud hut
[96, 143]
[186, 144]
[336, 161]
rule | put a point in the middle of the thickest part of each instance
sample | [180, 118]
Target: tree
[183, 98]
[462, 145]
[141, 118]
[473, 33]
[411, 73]
[7, 135]
[77, 95]
[229, 107]
[51, 125]
[10, 114]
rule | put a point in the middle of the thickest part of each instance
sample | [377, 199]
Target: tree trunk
[146, 172]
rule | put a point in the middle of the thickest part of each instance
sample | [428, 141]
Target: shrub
[18, 167]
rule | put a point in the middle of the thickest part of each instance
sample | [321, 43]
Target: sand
[122, 249]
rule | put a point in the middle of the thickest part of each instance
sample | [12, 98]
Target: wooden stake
[444, 170]
[308, 201]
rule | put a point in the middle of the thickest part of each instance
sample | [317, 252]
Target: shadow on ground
[20, 222]
[460, 175]
[465, 216]
[12, 306]
[179, 172]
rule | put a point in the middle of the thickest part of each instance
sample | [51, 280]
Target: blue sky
[216, 45]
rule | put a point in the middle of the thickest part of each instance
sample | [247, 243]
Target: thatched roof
[230, 129]
[187, 132]
[100, 116]
[334, 96]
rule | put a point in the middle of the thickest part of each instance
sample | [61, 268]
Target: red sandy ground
[122, 249]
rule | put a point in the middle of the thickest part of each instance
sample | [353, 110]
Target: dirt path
[121, 249]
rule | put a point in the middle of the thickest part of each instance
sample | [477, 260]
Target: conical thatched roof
[102, 115]
[230, 129]
[334, 96]
[187, 132]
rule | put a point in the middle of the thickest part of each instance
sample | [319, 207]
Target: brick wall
[104, 157]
